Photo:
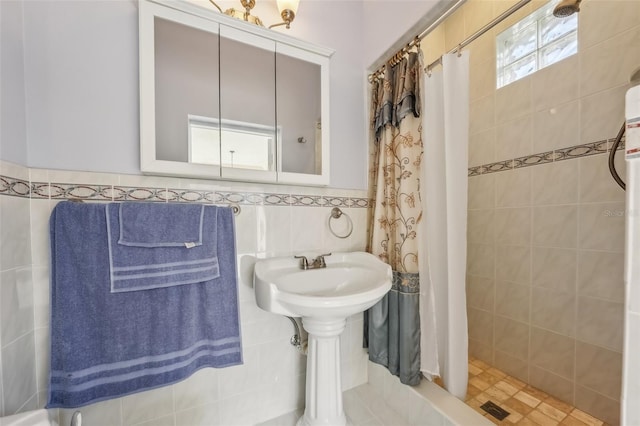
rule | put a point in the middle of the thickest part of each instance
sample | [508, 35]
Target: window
[535, 42]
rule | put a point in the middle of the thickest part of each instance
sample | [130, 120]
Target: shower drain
[494, 410]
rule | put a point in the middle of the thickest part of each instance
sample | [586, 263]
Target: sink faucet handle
[320, 260]
[304, 263]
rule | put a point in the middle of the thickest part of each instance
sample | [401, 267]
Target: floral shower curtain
[392, 330]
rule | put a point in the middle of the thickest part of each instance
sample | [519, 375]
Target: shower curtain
[392, 326]
[443, 243]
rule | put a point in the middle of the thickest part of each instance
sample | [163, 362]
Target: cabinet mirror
[223, 99]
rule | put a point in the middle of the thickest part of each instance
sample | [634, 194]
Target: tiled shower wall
[546, 223]
[17, 330]
[274, 220]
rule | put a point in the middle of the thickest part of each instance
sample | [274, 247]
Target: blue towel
[106, 345]
[160, 224]
[143, 268]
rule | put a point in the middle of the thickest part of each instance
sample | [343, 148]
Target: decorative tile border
[577, 151]
[14, 187]
[533, 160]
[585, 150]
[67, 191]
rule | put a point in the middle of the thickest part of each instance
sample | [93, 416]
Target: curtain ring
[335, 214]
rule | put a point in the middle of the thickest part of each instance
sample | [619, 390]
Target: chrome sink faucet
[317, 263]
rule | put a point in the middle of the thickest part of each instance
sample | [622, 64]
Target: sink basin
[324, 298]
[351, 283]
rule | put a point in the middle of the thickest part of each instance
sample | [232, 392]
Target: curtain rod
[504, 15]
[416, 41]
[396, 57]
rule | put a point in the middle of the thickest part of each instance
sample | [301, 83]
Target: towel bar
[234, 206]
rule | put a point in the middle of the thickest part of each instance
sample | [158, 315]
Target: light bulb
[291, 5]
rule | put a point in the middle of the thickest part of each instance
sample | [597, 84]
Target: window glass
[535, 42]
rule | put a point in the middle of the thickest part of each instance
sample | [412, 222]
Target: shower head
[566, 8]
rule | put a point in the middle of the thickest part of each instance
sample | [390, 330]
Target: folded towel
[106, 345]
[160, 224]
[136, 268]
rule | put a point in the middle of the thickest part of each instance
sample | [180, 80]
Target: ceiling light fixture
[287, 8]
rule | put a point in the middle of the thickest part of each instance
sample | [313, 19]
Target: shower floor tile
[526, 404]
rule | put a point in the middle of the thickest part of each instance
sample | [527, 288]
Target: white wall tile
[481, 114]
[482, 77]
[274, 229]
[480, 260]
[41, 296]
[246, 264]
[514, 138]
[602, 329]
[602, 114]
[513, 264]
[513, 188]
[555, 226]
[40, 242]
[16, 297]
[596, 183]
[202, 415]
[14, 170]
[596, 70]
[600, 274]
[307, 228]
[200, 389]
[15, 250]
[513, 300]
[160, 421]
[603, 19]
[246, 230]
[554, 268]
[481, 226]
[601, 226]
[149, 405]
[482, 192]
[514, 101]
[480, 293]
[516, 226]
[279, 361]
[243, 409]
[482, 147]
[237, 379]
[556, 183]
[18, 373]
[554, 310]
[556, 84]
[42, 352]
[556, 127]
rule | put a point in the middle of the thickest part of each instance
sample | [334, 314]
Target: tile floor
[526, 404]
[361, 404]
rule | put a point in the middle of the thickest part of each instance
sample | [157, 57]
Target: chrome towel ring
[336, 213]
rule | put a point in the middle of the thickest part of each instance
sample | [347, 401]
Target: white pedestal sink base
[323, 400]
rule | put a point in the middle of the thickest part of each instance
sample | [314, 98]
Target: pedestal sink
[324, 298]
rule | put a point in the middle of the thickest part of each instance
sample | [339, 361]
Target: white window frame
[537, 22]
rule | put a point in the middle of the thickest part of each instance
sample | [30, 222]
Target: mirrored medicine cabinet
[224, 99]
